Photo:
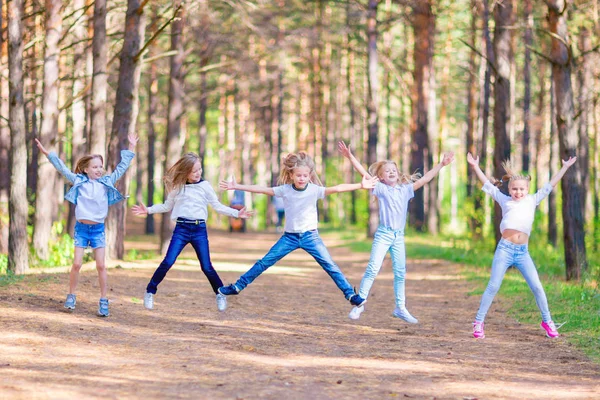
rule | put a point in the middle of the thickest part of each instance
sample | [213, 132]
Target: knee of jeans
[537, 290]
[493, 287]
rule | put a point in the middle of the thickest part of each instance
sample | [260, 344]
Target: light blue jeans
[309, 241]
[392, 240]
[509, 254]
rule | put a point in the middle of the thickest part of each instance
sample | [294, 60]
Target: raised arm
[566, 165]
[346, 152]
[367, 182]
[474, 162]
[233, 185]
[432, 173]
[57, 162]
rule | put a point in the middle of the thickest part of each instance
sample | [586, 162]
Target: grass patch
[9, 278]
[577, 304]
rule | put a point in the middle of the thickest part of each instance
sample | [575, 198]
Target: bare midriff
[87, 222]
[514, 236]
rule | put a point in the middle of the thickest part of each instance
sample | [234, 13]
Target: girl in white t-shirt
[300, 189]
[188, 200]
[393, 192]
[518, 211]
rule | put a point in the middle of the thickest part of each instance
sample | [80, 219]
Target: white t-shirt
[300, 206]
[92, 202]
[191, 202]
[393, 204]
[517, 215]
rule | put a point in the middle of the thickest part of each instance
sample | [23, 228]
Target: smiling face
[196, 173]
[518, 189]
[389, 174]
[301, 177]
[94, 169]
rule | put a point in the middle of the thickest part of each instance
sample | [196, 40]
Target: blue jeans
[89, 235]
[183, 234]
[509, 254]
[309, 241]
[392, 240]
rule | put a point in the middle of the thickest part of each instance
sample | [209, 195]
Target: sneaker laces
[478, 326]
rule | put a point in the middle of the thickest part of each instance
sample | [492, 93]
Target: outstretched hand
[448, 158]
[569, 162]
[133, 139]
[139, 210]
[472, 160]
[243, 213]
[228, 185]
[345, 150]
[368, 182]
[41, 147]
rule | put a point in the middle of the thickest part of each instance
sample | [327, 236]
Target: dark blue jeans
[309, 241]
[183, 234]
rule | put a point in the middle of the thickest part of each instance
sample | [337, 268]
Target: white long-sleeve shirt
[517, 215]
[191, 202]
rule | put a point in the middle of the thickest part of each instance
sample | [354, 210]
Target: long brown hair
[85, 161]
[293, 161]
[510, 175]
[176, 176]
[376, 169]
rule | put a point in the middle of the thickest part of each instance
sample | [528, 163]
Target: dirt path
[286, 336]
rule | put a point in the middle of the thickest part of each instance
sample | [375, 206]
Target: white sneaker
[221, 302]
[356, 311]
[404, 315]
[149, 301]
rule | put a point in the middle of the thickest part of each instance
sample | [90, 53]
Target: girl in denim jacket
[92, 193]
[300, 190]
[393, 192]
[188, 200]
[518, 211]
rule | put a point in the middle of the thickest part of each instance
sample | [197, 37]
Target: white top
[393, 203]
[92, 202]
[300, 206]
[191, 202]
[517, 215]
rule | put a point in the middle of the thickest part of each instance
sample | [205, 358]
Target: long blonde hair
[376, 169]
[176, 177]
[293, 161]
[510, 175]
[85, 161]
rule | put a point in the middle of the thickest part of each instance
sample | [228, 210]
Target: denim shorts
[89, 235]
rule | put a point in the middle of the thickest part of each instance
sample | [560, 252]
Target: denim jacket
[107, 180]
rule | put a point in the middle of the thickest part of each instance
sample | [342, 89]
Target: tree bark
[4, 141]
[553, 163]
[175, 112]
[18, 255]
[504, 19]
[528, 39]
[572, 182]
[472, 109]
[372, 104]
[424, 32]
[125, 118]
[97, 140]
[44, 199]
[585, 79]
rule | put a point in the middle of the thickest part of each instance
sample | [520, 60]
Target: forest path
[286, 336]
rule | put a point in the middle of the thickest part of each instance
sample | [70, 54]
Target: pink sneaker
[478, 330]
[550, 329]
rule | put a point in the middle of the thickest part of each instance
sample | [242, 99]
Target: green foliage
[61, 249]
[3, 264]
[134, 254]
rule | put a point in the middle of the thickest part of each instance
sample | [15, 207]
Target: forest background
[242, 83]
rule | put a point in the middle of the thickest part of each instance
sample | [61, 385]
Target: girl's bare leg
[99, 253]
[74, 275]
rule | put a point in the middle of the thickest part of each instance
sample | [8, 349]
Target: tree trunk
[202, 109]
[175, 112]
[504, 19]
[18, 255]
[586, 81]
[372, 104]
[424, 31]
[151, 118]
[553, 165]
[44, 204]
[528, 39]
[4, 141]
[97, 139]
[125, 118]
[572, 183]
[472, 110]
[350, 83]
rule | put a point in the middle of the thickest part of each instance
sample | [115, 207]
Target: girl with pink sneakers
[518, 211]
[393, 192]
